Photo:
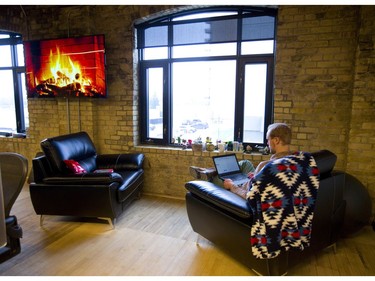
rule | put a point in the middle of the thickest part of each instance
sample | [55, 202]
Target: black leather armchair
[225, 219]
[97, 192]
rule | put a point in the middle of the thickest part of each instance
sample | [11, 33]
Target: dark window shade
[257, 28]
[205, 32]
[156, 36]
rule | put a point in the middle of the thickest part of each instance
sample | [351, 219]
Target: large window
[207, 73]
[13, 102]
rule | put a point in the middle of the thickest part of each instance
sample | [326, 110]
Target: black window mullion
[240, 100]
[167, 118]
[167, 95]
[18, 99]
[239, 104]
[269, 95]
[143, 102]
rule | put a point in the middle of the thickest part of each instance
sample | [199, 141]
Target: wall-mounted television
[66, 67]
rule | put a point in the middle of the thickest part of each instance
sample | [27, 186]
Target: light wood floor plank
[153, 237]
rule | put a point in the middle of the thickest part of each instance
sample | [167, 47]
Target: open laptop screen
[226, 164]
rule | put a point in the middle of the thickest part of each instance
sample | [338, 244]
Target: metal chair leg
[334, 248]
[198, 238]
[110, 221]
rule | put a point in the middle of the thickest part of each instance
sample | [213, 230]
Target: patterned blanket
[282, 198]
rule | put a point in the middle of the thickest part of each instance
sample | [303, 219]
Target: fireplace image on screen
[67, 67]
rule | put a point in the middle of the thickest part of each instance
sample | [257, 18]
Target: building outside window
[207, 73]
[13, 101]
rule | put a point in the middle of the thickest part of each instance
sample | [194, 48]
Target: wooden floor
[153, 237]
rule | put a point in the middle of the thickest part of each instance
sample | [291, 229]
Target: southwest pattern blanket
[282, 197]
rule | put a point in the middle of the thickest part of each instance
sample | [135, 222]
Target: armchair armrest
[127, 161]
[85, 179]
[220, 197]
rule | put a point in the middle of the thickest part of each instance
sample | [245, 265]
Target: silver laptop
[227, 167]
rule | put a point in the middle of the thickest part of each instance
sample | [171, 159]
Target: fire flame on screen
[65, 67]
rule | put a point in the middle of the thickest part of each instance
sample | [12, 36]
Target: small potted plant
[209, 145]
[197, 145]
[230, 146]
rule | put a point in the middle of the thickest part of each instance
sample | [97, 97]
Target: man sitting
[278, 136]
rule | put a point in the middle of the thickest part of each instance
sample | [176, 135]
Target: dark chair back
[14, 169]
[325, 160]
[75, 146]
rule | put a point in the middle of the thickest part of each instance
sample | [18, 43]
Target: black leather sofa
[225, 219]
[97, 192]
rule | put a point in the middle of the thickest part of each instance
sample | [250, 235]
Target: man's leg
[246, 166]
[199, 173]
[210, 174]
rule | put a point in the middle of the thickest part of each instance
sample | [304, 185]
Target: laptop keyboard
[238, 179]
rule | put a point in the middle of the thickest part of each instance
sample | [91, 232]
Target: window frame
[14, 40]
[268, 110]
[241, 60]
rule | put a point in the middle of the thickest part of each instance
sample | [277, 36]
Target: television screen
[66, 67]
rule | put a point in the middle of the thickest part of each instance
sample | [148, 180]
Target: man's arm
[239, 190]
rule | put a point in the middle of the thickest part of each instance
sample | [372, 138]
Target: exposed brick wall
[325, 83]
[324, 87]
[314, 75]
[361, 144]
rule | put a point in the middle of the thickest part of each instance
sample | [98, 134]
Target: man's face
[272, 144]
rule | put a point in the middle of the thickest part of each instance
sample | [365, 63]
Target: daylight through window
[13, 102]
[207, 73]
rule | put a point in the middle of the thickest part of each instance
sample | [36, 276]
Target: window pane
[24, 99]
[5, 56]
[155, 102]
[20, 57]
[155, 53]
[205, 32]
[203, 99]
[204, 50]
[255, 99]
[156, 36]
[257, 47]
[7, 106]
[256, 28]
[191, 33]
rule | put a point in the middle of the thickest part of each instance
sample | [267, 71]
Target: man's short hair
[280, 130]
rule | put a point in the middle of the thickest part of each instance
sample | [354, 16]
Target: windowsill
[12, 135]
[149, 148]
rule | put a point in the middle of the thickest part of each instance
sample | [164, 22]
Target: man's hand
[228, 183]
[250, 175]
